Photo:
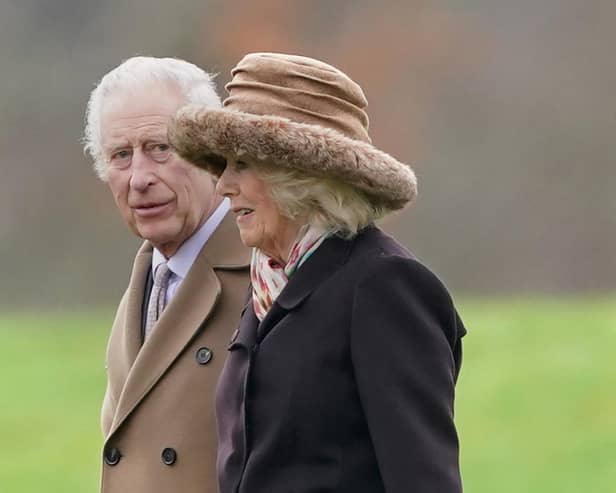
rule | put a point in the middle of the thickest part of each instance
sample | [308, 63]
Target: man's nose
[143, 174]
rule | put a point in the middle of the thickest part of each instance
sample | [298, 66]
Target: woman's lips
[150, 210]
[243, 214]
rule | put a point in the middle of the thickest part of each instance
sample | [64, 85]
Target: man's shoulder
[224, 249]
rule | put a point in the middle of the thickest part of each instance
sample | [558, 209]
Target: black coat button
[204, 355]
[112, 456]
[169, 456]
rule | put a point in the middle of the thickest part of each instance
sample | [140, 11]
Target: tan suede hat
[296, 112]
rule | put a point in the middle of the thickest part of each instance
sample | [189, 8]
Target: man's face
[161, 197]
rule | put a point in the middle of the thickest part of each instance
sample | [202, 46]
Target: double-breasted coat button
[204, 355]
[112, 456]
[169, 456]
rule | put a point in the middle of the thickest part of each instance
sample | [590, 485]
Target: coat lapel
[181, 320]
[126, 334]
[321, 265]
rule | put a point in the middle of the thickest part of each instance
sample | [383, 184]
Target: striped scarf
[270, 277]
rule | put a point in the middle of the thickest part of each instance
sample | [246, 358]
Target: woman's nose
[226, 185]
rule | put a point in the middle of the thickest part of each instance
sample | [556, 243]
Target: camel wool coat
[158, 412]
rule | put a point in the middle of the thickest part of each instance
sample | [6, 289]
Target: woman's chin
[248, 239]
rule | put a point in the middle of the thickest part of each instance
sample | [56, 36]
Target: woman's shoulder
[373, 245]
[385, 269]
[374, 241]
[376, 255]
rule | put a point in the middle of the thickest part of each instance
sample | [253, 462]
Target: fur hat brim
[207, 137]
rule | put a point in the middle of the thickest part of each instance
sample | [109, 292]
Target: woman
[340, 377]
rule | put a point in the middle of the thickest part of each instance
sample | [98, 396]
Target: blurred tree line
[505, 110]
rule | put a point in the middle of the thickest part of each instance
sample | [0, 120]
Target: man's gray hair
[196, 85]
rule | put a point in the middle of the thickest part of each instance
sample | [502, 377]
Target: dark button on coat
[169, 456]
[112, 456]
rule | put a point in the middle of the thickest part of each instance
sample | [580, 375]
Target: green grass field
[536, 405]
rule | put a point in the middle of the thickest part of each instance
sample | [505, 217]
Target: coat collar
[321, 265]
[131, 339]
[194, 301]
[225, 249]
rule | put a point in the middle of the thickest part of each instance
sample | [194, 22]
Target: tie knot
[162, 274]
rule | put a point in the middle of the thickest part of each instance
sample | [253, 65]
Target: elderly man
[158, 413]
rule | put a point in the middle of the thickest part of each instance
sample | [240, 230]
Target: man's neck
[181, 260]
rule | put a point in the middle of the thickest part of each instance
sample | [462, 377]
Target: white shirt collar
[181, 262]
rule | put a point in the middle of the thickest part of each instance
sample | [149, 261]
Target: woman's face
[260, 222]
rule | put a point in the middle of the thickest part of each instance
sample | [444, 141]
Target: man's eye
[121, 158]
[120, 154]
[157, 147]
[240, 165]
[158, 151]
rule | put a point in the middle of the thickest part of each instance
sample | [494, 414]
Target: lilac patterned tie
[156, 305]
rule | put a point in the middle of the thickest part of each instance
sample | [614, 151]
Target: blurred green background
[506, 112]
[535, 405]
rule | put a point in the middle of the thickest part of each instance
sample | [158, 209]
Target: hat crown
[301, 89]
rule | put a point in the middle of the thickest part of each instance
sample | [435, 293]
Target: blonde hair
[323, 201]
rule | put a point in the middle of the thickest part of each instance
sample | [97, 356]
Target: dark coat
[347, 385]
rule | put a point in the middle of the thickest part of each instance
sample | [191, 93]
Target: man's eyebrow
[114, 140]
[162, 137]
[119, 142]
[114, 145]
